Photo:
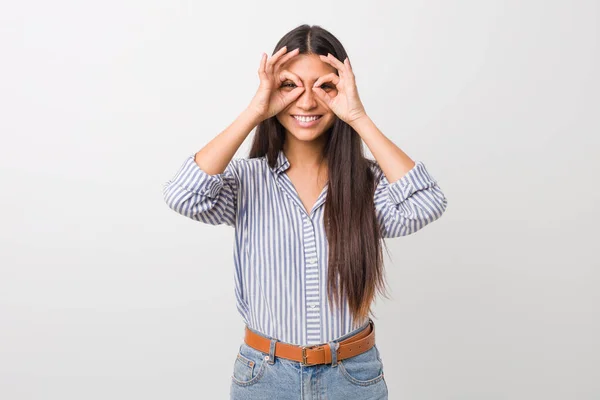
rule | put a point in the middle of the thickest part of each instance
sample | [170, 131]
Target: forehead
[308, 67]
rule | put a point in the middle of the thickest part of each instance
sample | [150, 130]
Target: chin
[305, 136]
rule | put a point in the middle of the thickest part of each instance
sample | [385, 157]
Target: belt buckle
[304, 360]
[304, 354]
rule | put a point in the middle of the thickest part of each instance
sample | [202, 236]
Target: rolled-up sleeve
[211, 199]
[408, 204]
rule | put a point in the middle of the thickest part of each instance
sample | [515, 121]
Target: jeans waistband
[337, 340]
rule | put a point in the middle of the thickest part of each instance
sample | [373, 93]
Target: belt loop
[333, 346]
[271, 359]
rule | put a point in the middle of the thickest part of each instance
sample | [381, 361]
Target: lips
[307, 116]
[309, 123]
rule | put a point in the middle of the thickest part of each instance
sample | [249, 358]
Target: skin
[346, 104]
[303, 145]
[324, 91]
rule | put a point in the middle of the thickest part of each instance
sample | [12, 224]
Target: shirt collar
[281, 164]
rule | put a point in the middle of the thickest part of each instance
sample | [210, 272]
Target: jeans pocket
[363, 369]
[249, 366]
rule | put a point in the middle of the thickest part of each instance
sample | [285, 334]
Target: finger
[261, 68]
[334, 62]
[285, 74]
[331, 77]
[294, 94]
[288, 98]
[324, 96]
[337, 62]
[286, 58]
[349, 67]
[347, 60]
[274, 58]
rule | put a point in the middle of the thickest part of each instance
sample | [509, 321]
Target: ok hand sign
[346, 103]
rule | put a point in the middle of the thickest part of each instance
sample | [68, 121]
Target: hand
[346, 103]
[269, 100]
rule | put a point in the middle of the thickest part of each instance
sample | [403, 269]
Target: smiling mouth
[302, 118]
[307, 122]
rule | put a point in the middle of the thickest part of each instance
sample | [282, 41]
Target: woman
[309, 212]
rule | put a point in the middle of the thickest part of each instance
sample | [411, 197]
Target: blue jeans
[256, 376]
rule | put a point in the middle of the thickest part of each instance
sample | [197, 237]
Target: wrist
[252, 116]
[359, 121]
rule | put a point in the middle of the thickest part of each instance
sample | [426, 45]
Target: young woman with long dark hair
[309, 212]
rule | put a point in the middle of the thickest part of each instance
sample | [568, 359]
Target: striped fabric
[280, 253]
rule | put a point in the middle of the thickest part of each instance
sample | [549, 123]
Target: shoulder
[241, 163]
[243, 167]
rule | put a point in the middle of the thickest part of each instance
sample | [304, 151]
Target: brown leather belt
[315, 354]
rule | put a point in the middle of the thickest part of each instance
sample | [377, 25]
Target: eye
[292, 84]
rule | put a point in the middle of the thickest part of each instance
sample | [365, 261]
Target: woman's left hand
[346, 103]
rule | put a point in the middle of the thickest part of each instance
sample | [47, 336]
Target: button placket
[312, 274]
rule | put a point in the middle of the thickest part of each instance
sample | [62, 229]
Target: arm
[206, 186]
[407, 197]
[211, 199]
[408, 204]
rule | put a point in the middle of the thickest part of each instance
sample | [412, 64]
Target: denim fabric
[258, 375]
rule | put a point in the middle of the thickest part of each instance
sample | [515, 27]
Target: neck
[304, 155]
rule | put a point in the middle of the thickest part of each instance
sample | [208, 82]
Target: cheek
[282, 120]
[332, 117]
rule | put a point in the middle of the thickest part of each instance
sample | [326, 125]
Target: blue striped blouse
[280, 252]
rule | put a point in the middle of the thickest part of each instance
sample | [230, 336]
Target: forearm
[214, 157]
[393, 161]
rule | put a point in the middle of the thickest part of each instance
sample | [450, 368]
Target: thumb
[293, 94]
[322, 95]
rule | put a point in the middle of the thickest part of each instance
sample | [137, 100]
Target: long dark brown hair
[355, 269]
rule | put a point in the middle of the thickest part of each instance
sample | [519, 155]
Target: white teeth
[306, 119]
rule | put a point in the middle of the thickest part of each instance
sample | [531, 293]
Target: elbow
[169, 195]
[440, 205]
[426, 213]
[177, 199]
[433, 204]
[434, 209]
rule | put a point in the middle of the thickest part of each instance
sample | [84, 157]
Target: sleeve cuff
[418, 178]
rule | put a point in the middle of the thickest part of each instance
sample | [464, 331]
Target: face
[308, 68]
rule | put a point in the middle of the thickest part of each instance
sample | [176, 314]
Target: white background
[106, 293]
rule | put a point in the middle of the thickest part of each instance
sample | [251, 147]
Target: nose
[307, 99]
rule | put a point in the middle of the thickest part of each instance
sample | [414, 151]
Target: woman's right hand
[269, 100]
